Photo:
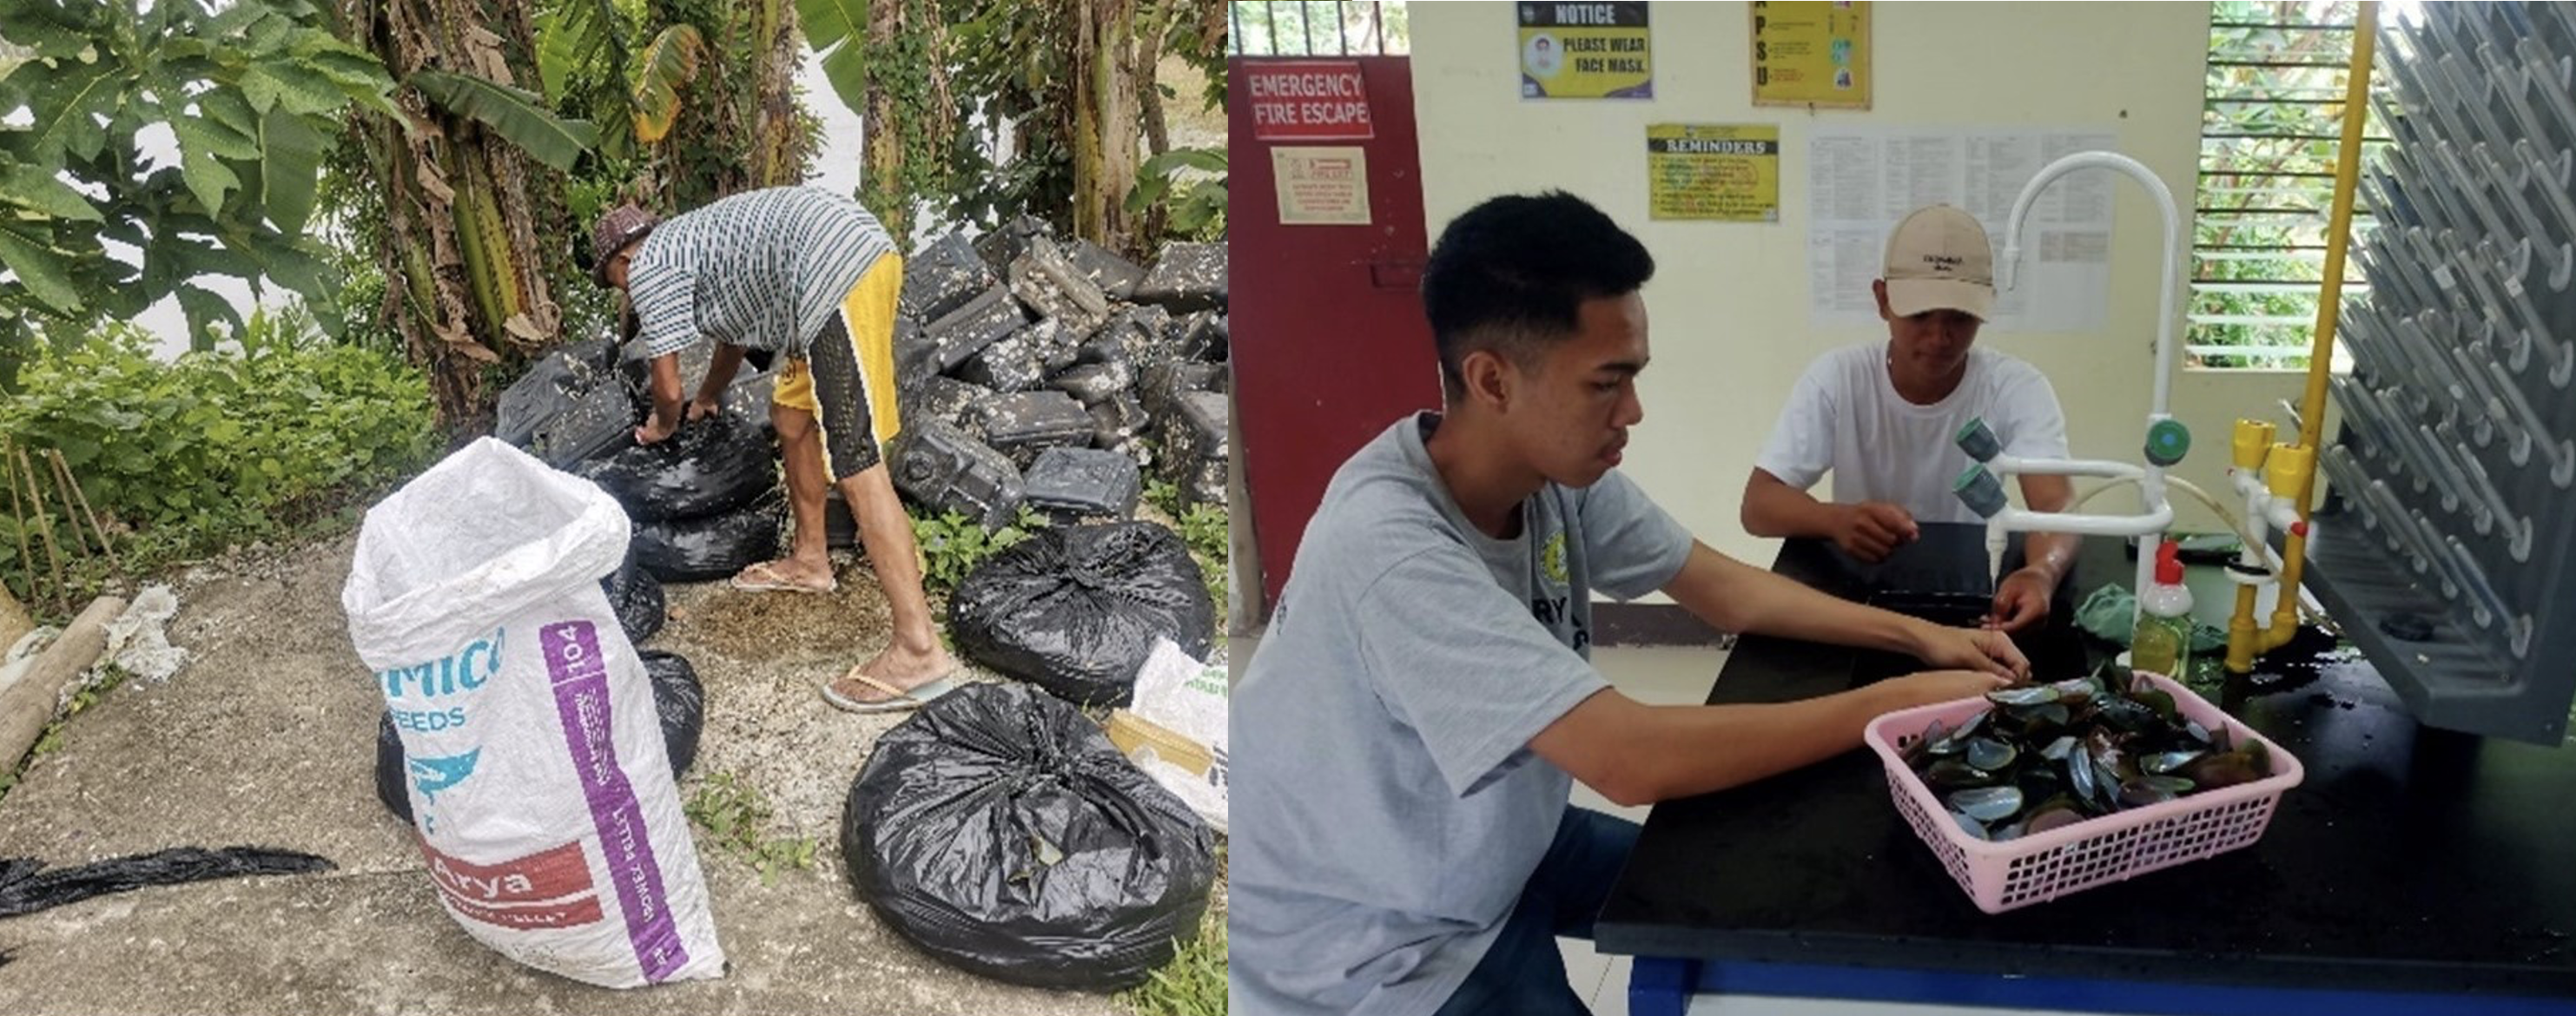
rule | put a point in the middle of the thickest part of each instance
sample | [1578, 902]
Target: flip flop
[901, 701]
[764, 578]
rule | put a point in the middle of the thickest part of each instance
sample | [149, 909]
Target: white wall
[1729, 302]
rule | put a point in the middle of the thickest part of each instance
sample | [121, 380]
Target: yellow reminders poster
[1713, 173]
[1586, 51]
[1811, 54]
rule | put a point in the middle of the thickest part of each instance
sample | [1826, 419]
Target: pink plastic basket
[2042, 867]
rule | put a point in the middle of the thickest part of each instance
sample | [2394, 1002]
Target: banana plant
[473, 202]
[889, 61]
[705, 106]
[669, 62]
[1074, 80]
[837, 31]
[253, 95]
[520, 117]
[575, 34]
[582, 34]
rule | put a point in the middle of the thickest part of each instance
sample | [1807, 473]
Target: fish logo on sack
[432, 775]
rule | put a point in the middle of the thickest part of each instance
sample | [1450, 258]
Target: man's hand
[1871, 530]
[654, 432]
[1924, 688]
[664, 385]
[1980, 649]
[2022, 598]
[702, 407]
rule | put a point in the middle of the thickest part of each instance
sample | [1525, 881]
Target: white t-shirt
[1846, 418]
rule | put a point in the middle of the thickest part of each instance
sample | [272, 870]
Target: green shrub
[273, 429]
[1204, 527]
[952, 545]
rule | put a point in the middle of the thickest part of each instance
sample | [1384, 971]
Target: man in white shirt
[1883, 419]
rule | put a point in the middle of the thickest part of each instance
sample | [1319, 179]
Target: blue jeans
[1523, 974]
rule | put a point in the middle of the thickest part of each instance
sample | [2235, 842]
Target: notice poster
[1586, 51]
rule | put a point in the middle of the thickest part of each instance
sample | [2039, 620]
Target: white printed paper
[1862, 181]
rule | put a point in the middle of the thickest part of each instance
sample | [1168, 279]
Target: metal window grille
[1310, 28]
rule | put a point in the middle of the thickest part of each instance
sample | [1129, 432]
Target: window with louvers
[2271, 116]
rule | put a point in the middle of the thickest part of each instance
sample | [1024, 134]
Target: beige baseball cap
[1939, 259]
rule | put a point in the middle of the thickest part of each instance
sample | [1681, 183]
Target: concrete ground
[267, 738]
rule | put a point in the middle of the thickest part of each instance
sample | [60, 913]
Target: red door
[1330, 345]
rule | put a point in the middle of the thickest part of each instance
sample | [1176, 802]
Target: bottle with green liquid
[2162, 642]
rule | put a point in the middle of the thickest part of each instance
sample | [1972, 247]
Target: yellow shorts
[846, 378]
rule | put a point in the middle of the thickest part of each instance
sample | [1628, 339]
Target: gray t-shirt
[1387, 808]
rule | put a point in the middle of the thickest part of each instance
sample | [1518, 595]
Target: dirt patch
[808, 627]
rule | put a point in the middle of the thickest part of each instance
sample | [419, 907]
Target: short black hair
[1514, 272]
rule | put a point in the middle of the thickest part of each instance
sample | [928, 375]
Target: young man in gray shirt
[1407, 736]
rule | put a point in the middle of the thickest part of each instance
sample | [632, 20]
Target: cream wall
[1729, 302]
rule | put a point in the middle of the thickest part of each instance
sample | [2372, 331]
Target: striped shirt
[764, 269]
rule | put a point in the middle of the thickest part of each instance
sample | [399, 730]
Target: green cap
[1978, 440]
[1980, 491]
[2167, 442]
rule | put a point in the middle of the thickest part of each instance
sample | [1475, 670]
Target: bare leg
[800, 445]
[914, 657]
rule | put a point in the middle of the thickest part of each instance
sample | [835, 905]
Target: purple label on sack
[580, 680]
